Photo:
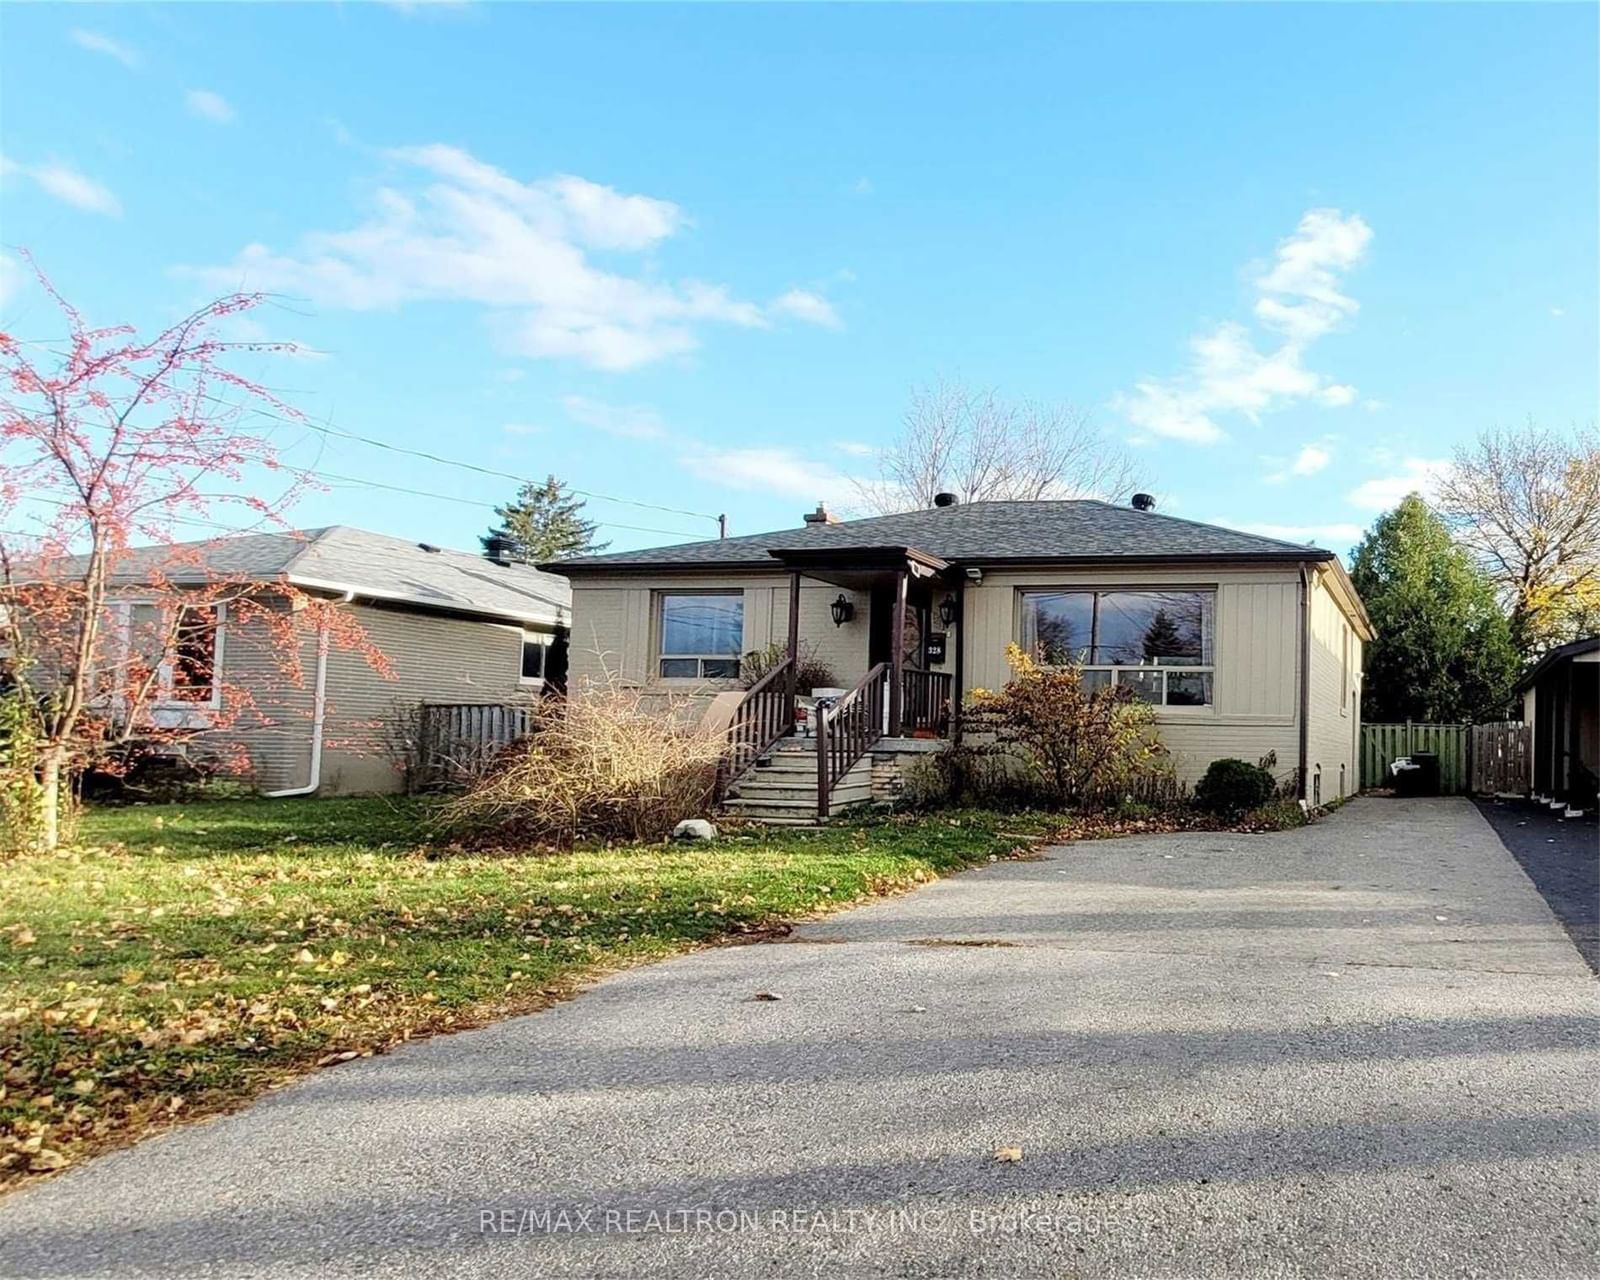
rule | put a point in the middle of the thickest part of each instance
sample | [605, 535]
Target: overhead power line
[443, 460]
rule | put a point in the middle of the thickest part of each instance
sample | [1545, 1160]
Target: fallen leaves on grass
[145, 984]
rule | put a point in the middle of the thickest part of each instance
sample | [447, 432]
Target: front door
[913, 641]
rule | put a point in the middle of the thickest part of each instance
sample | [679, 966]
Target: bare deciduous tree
[1526, 502]
[978, 445]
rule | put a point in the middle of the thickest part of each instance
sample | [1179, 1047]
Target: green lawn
[184, 957]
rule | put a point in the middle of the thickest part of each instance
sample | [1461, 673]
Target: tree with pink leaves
[113, 447]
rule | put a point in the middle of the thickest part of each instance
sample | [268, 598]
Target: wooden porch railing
[924, 700]
[765, 714]
[847, 729]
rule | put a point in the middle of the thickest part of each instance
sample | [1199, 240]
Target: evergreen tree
[544, 522]
[1162, 639]
[1443, 651]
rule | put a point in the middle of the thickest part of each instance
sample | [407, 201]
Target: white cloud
[1328, 535]
[1558, 312]
[775, 470]
[813, 308]
[522, 429]
[855, 448]
[206, 105]
[1229, 373]
[459, 230]
[630, 422]
[67, 185]
[1419, 475]
[97, 42]
[1311, 459]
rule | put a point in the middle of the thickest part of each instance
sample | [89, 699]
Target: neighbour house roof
[977, 533]
[373, 565]
[1589, 644]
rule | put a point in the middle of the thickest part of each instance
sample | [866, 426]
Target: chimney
[497, 549]
[1144, 502]
[945, 499]
[821, 516]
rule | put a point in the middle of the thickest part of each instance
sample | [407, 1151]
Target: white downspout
[319, 707]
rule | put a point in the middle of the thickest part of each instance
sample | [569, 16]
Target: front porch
[911, 690]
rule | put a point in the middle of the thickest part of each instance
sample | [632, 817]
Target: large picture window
[1157, 643]
[702, 635]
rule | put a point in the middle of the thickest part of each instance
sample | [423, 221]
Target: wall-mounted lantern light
[842, 610]
[948, 610]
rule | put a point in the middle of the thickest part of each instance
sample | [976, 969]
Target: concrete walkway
[1363, 1049]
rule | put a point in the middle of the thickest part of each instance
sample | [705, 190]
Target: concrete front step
[781, 788]
[784, 816]
[760, 794]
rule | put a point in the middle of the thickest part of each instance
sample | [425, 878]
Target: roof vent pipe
[945, 499]
[1144, 502]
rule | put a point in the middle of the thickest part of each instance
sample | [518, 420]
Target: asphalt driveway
[1362, 1049]
[1562, 858]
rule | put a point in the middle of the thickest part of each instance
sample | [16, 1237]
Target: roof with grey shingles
[341, 558]
[982, 533]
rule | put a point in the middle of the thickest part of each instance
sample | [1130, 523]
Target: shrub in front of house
[1231, 787]
[1063, 743]
[608, 767]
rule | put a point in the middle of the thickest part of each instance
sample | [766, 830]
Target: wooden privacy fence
[1502, 758]
[456, 741]
[1381, 744]
[1488, 759]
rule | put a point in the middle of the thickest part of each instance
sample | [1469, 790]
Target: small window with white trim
[1156, 643]
[172, 654]
[701, 634]
[535, 653]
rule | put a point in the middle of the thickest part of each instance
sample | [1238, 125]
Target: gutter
[1304, 555]
[1305, 681]
[443, 606]
[319, 710]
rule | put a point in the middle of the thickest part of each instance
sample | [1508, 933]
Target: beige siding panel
[435, 659]
[1335, 711]
[1255, 709]
[275, 734]
[614, 627]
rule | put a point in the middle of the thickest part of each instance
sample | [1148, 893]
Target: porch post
[792, 689]
[897, 655]
[959, 684]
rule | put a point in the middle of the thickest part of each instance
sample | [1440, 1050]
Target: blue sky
[697, 257]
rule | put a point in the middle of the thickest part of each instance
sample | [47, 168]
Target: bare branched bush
[607, 766]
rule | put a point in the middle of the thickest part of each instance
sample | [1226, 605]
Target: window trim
[1097, 589]
[542, 641]
[1345, 650]
[162, 698]
[658, 614]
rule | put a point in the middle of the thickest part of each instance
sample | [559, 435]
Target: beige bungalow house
[1246, 646]
[452, 628]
